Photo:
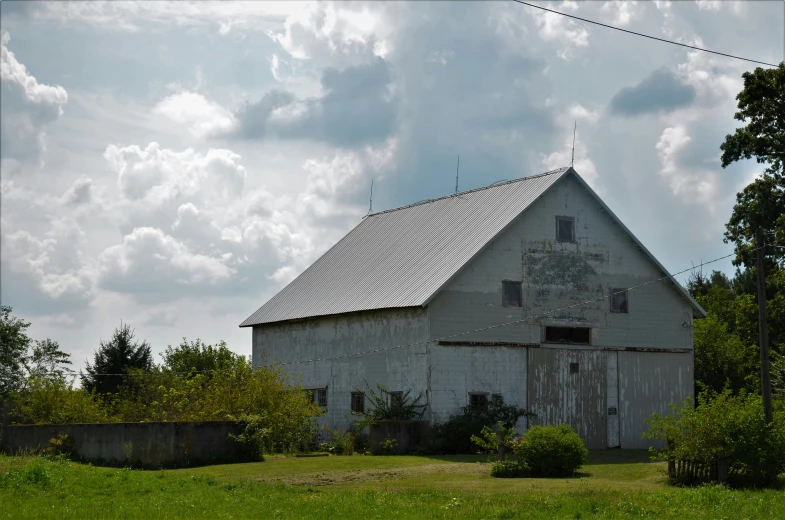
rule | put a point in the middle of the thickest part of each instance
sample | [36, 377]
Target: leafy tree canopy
[13, 347]
[114, 358]
[197, 357]
[22, 359]
[761, 105]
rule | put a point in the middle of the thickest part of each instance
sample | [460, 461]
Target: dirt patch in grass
[333, 478]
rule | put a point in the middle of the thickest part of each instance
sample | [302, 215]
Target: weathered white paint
[613, 399]
[648, 383]
[457, 371]
[559, 394]
[555, 277]
[305, 348]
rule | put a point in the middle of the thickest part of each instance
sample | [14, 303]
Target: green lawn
[616, 484]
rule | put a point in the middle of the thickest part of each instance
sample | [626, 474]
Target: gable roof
[402, 257]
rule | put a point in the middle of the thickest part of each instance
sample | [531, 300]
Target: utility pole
[763, 332]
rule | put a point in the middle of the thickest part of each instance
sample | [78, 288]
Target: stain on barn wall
[337, 336]
[555, 275]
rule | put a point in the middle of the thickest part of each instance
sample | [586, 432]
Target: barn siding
[648, 383]
[399, 369]
[556, 275]
[457, 371]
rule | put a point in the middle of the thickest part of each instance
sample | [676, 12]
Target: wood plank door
[570, 386]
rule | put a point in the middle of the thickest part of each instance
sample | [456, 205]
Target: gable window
[565, 229]
[570, 335]
[478, 399]
[358, 402]
[511, 294]
[619, 300]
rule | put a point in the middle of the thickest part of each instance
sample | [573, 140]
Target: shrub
[54, 401]
[454, 435]
[723, 427]
[341, 443]
[251, 443]
[507, 469]
[386, 408]
[388, 447]
[550, 451]
[62, 445]
[488, 440]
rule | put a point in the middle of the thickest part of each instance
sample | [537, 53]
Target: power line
[641, 34]
[671, 277]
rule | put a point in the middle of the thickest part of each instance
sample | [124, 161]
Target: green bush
[550, 451]
[252, 441]
[341, 443]
[455, 435]
[62, 445]
[389, 446]
[507, 469]
[724, 427]
[488, 440]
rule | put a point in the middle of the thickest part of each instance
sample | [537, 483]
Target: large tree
[22, 359]
[114, 359]
[762, 107]
[14, 343]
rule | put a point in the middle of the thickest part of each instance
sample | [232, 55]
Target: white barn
[532, 289]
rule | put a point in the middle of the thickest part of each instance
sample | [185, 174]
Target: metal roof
[402, 257]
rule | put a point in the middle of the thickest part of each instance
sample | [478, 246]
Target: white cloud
[148, 260]
[554, 27]
[27, 107]
[709, 5]
[203, 117]
[572, 138]
[159, 175]
[696, 186]
[624, 11]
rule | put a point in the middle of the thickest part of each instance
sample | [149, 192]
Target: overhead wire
[641, 34]
[473, 331]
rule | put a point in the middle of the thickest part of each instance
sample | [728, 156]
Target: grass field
[616, 484]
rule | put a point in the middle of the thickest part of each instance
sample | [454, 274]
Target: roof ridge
[494, 185]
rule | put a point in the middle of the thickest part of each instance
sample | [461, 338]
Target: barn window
[317, 395]
[396, 398]
[573, 335]
[565, 229]
[573, 368]
[511, 294]
[618, 300]
[478, 400]
[358, 402]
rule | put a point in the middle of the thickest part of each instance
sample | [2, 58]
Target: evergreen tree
[114, 358]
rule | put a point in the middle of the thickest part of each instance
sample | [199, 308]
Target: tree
[196, 357]
[762, 103]
[114, 358]
[46, 360]
[14, 343]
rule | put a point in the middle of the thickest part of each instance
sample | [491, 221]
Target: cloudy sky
[173, 165]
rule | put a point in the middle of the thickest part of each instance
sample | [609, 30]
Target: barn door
[613, 399]
[570, 386]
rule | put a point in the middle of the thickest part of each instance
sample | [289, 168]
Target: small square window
[573, 368]
[396, 398]
[358, 402]
[511, 294]
[619, 300]
[565, 229]
[478, 400]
